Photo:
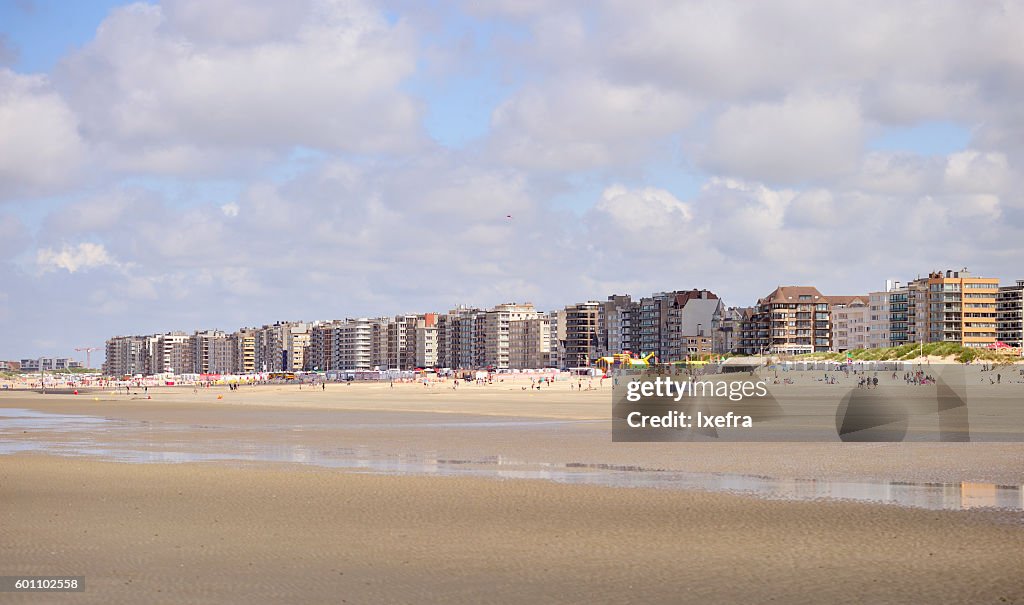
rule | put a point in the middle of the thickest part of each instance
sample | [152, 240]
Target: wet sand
[254, 533]
[222, 534]
[556, 426]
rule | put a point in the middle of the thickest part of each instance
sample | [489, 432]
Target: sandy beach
[300, 531]
[221, 534]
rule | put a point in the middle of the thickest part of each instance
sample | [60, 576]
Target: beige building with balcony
[962, 308]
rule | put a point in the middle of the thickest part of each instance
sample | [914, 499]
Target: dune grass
[911, 351]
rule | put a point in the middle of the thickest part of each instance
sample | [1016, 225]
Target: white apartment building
[353, 344]
[426, 341]
[878, 320]
[850, 322]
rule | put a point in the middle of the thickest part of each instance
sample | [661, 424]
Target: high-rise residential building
[529, 343]
[753, 333]
[496, 339]
[379, 343]
[668, 323]
[443, 348]
[908, 312]
[426, 341]
[850, 321]
[1010, 314]
[458, 341]
[354, 344]
[582, 334]
[270, 352]
[172, 353]
[962, 308]
[556, 337]
[615, 323]
[245, 351]
[213, 353]
[127, 356]
[400, 342]
[647, 325]
[296, 340]
[878, 317]
[320, 354]
[792, 320]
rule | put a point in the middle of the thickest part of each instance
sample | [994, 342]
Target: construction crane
[88, 355]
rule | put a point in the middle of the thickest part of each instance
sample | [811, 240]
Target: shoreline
[368, 432]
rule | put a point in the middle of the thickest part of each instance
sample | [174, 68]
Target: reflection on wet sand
[131, 441]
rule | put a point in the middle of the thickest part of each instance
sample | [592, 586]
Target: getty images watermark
[879, 401]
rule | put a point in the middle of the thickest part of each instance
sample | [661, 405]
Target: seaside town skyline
[976, 311]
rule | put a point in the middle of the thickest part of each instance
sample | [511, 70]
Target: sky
[201, 164]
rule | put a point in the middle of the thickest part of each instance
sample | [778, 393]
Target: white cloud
[806, 137]
[230, 209]
[971, 171]
[40, 149]
[645, 210]
[584, 122]
[184, 79]
[84, 256]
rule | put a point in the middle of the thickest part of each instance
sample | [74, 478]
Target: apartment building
[962, 308]
[319, 355]
[127, 356]
[529, 343]
[269, 343]
[245, 351]
[688, 324]
[353, 343]
[908, 313]
[556, 331]
[496, 341]
[296, 342]
[726, 328]
[582, 333]
[615, 324]
[458, 338]
[850, 322]
[666, 323]
[878, 318]
[1010, 314]
[48, 364]
[172, 353]
[213, 353]
[792, 320]
[426, 341]
[399, 345]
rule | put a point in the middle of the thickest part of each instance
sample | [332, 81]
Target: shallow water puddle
[17, 426]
